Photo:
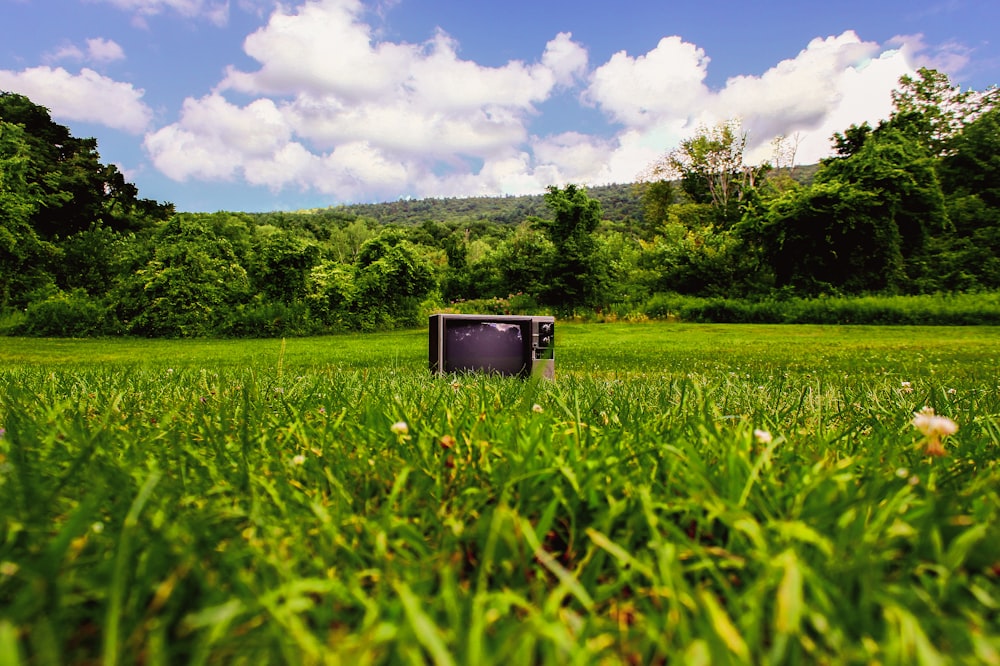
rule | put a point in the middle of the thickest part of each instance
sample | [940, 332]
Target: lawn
[685, 494]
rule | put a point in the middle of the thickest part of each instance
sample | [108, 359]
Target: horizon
[256, 106]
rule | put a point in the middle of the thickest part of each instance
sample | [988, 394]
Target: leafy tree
[834, 235]
[852, 140]
[710, 166]
[700, 260]
[522, 262]
[345, 242]
[576, 275]
[968, 257]
[23, 255]
[893, 164]
[90, 260]
[330, 293]
[73, 190]
[390, 279]
[657, 198]
[973, 167]
[935, 110]
[864, 224]
[188, 287]
[280, 263]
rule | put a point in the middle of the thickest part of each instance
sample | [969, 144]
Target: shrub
[71, 314]
[271, 319]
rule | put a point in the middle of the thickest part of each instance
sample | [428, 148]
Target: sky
[256, 105]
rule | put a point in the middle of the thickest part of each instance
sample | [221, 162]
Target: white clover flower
[907, 387]
[299, 459]
[932, 425]
[399, 428]
[934, 428]
[762, 436]
[536, 408]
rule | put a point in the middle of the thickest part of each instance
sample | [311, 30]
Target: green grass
[251, 502]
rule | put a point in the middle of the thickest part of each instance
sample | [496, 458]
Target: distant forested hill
[620, 203]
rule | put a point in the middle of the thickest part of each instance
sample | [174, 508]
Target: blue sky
[254, 105]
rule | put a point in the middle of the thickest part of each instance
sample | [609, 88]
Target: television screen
[485, 346]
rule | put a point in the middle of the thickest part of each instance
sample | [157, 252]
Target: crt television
[509, 345]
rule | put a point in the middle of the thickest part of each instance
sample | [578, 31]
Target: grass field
[680, 494]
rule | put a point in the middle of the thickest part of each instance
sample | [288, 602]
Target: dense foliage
[909, 207]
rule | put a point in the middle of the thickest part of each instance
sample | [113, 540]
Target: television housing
[510, 345]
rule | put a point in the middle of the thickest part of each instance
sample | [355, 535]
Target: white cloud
[339, 111]
[572, 155]
[66, 52]
[104, 50]
[99, 50]
[358, 115]
[214, 138]
[660, 97]
[565, 58]
[215, 11]
[951, 58]
[797, 93]
[864, 96]
[87, 96]
[638, 92]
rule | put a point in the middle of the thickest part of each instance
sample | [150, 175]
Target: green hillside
[620, 203]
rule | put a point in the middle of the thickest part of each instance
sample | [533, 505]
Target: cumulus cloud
[359, 115]
[87, 96]
[661, 97]
[214, 137]
[951, 57]
[104, 50]
[98, 50]
[335, 109]
[640, 91]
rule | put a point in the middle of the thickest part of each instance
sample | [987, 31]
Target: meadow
[696, 494]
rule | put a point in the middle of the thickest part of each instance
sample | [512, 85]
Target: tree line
[911, 206]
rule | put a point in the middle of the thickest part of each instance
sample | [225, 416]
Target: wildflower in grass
[907, 387]
[447, 442]
[536, 408]
[762, 436]
[399, 428]
[298, 460]
[934, 428]
[902, 472]
[952, 391]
